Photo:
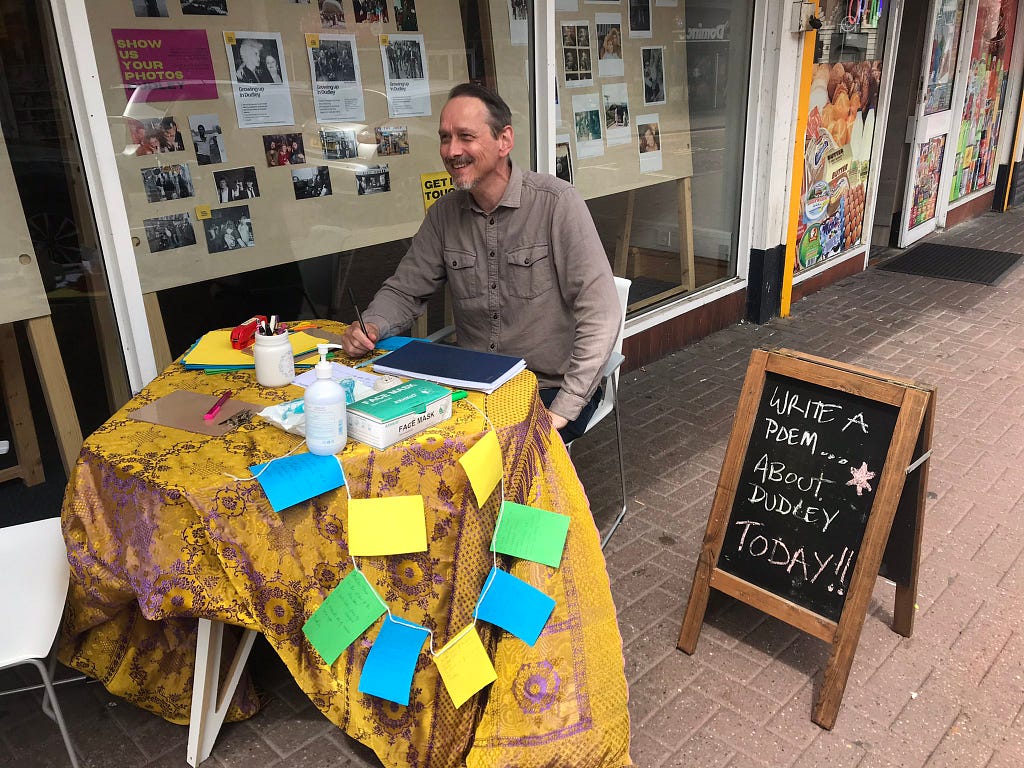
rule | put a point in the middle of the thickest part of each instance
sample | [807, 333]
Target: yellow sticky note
[203, 212]
[483, 466]
[229, 38]
[465, 666]
[312, 40]
[389, 526]
[383, 39]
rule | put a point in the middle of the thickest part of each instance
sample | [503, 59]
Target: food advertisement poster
[926, 181]
[165, 64]
[837, 154]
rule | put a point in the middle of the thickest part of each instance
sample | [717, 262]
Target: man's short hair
[498, 113]
[250, 42]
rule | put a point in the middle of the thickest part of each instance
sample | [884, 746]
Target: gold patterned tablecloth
[158, 535]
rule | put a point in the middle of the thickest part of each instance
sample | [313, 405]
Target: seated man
[527, 272]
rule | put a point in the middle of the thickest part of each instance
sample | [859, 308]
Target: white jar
[275, 363]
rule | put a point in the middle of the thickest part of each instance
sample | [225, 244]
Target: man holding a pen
[527, 271]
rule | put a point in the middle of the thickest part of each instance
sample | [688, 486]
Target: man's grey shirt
[529, 279]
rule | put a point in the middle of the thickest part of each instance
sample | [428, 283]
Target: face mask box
[385, 418]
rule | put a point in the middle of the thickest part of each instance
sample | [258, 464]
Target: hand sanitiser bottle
[324, 405]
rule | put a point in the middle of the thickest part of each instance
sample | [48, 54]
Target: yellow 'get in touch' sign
[435, 186]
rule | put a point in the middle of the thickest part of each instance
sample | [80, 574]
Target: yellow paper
[465, 666]
[215, 349]
[389, 526]
[483, 466]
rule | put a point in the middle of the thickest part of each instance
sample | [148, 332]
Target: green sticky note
[347, 612]
[531, 534]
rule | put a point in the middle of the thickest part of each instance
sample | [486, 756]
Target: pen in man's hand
[359, 315]
[217, 406]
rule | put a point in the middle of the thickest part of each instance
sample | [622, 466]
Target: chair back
[34, 573]
[622, 288]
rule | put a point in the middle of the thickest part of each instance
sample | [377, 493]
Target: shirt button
[526, 262]
[492, 346]
[455, 263]
[494, 316]
[491, 254]
[492, 220]
[494, 286]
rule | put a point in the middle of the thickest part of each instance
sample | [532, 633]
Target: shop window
[651, 117]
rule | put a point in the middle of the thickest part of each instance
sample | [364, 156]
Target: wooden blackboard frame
[901, 489]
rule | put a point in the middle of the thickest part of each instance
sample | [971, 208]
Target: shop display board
[820, 473]
[223, 163]
[22, 295]
[623, 116]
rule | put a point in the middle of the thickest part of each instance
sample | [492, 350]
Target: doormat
[953, 262]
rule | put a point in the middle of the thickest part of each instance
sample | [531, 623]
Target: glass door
[933, 121]
[63, 368]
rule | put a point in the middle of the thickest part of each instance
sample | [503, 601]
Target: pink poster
[165, 65]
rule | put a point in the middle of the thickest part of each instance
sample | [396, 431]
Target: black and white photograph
[166, 232]
[256, 60]
[405, 60]
[236, 184]
[259, 79]
[332, 14]
[333, 61]
[576, 58]
[615, 100]
[339, 145]
[156, 8]
[640, 18]
[154, 136]
[370, 11]
[405, 16]
[392, 140]
[204, 7]
[284, 149]
[406, 81]
[311, 182]
[563, 158]
[228, 229]
[373, 180]
[653, 59]
[167, 182]
[208, 139]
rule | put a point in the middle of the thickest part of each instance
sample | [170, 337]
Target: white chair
[33, 586]
[610, 400]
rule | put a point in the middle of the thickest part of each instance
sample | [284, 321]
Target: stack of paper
[451, 366]
[213, 352]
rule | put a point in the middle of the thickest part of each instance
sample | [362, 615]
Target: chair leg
[51, 696]
[614, 385]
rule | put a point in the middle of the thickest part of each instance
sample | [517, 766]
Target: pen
[359, 315]
[458, 394]
[216, 406]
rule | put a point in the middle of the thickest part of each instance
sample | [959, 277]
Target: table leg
[209, 706]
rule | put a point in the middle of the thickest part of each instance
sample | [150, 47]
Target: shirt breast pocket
[461, 269]
[529, 271]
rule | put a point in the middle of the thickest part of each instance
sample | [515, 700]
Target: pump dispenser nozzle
[323, 368]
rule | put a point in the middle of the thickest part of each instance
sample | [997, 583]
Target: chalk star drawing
[860, 478]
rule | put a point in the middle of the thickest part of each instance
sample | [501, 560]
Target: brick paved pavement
[952, 695]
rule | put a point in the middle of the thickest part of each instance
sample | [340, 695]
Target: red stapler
[244, 335]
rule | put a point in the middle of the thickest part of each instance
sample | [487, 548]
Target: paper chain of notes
[397, 525]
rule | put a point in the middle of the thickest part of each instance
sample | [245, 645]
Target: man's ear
[506, 140]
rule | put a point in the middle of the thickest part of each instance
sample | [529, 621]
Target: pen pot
[275, 362]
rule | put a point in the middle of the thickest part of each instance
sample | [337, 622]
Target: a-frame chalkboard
[822, 487]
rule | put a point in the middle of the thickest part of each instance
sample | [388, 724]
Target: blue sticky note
[391, 662]
[391, 343]
[515, 606]
[292, 479]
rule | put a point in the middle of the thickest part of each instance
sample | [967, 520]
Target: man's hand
[556, 421]
[356, 343]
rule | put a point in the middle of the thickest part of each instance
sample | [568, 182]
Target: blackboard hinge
[917, 463]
